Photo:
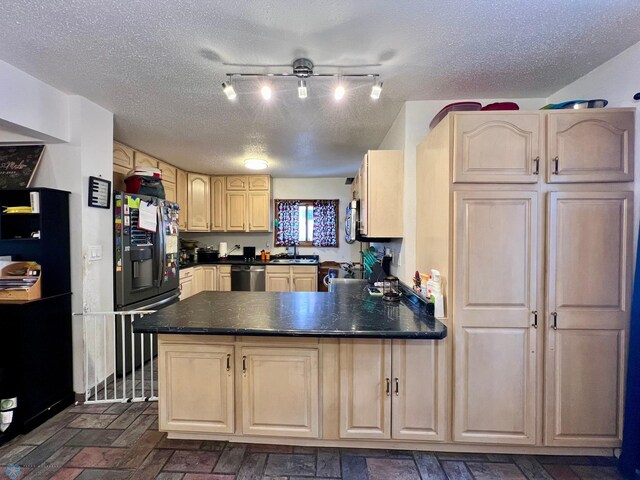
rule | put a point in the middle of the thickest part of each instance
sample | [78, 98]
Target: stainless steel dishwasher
[248, 278]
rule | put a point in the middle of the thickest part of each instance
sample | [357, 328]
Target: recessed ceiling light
[266, 92]
[255, 164]
[339, 92]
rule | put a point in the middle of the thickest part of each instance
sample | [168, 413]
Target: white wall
[31, 107]
[86, 131]
[617, 81]
[328, 188]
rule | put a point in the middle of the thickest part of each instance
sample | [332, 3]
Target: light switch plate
[95, 253]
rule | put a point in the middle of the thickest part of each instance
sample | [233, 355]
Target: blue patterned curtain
[288, 221]
[325, 223]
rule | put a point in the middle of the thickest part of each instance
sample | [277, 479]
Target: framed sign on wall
[99, 192]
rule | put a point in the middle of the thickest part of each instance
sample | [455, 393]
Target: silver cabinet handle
[554, 316]
[388, 390]
[535, 318]
[556, 162]
[397, 386]
[536, 162]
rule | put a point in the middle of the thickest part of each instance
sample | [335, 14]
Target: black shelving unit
[36, 357]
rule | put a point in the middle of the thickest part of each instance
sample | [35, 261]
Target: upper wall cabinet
[590, 146]
[169, 172]
[521, 147]
[237, 182]
[496, 148]
[218, 213]
[198, 202]
[259, 182]
[144, 160]
[122, 155]
[182, 194]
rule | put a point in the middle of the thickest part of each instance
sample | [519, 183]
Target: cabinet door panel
[170, 192]
[218, 210]
[365, 384]
[496, 148]
[122, 156]
[144, 160]
[259, 217]
[419, 390]
[186, 288]
[236, 211]
[304, 283]
[236, 182]
[168, 172]
[278, 282]
[259, 182]
[280, 392]
[181, 187]
[590, 146]
[496, 268]
[589, 288]
[197, 388]
[198, 203]
[210, 279]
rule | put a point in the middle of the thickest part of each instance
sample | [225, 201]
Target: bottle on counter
[267, 254]
[263, 255]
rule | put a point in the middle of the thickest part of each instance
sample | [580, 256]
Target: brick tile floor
[121, 441]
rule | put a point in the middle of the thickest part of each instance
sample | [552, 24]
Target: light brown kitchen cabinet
[196, 385]
[144, 160]
[237, 182]
[259, 211]
[589, 267]
[495, 237]
[186, 283]
[393, 389]
[236, 203]
[294, 278]
[122, 155]
[280, 392]
[198, 202]
[182, 198]
[198, 280]
[500, 147]
[365, 388]
[218, 208]
[210, 273]
[224, 278]
[590, 146]
[381, 181]
[168, 172]
[170, 192]
[259, 182]
[533, 264]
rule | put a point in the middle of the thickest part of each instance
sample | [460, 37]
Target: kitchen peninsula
[307, 367]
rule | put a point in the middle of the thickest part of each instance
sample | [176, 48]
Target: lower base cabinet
[280, 392]
[393, 389]
[196, 387]
[280, 278]
[224, 278]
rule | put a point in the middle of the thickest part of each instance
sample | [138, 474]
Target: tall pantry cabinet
[529, 219]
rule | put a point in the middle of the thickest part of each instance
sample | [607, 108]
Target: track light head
[302, 89]
[227, 88]
[376, 90]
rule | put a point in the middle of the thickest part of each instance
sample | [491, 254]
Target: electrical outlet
[237, 245]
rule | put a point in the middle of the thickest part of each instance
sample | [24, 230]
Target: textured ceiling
[157, 64]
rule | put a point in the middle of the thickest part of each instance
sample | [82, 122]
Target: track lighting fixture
[376, 90]
[302, 89]
[302, 70]
[227, 88]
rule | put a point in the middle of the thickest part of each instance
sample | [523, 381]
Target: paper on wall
[172, 244]
[148, 218]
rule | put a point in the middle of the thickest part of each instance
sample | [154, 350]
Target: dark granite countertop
[347, 312]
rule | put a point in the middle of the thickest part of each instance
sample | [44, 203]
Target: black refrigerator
[146, 261]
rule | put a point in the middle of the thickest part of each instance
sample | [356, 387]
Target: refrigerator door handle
[160, 242]
[161, 302]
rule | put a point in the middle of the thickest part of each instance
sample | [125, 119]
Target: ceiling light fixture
[302, 69]
[376, 90]
[227, 88]
[256, 163]
[302, 89]
[266, 92]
